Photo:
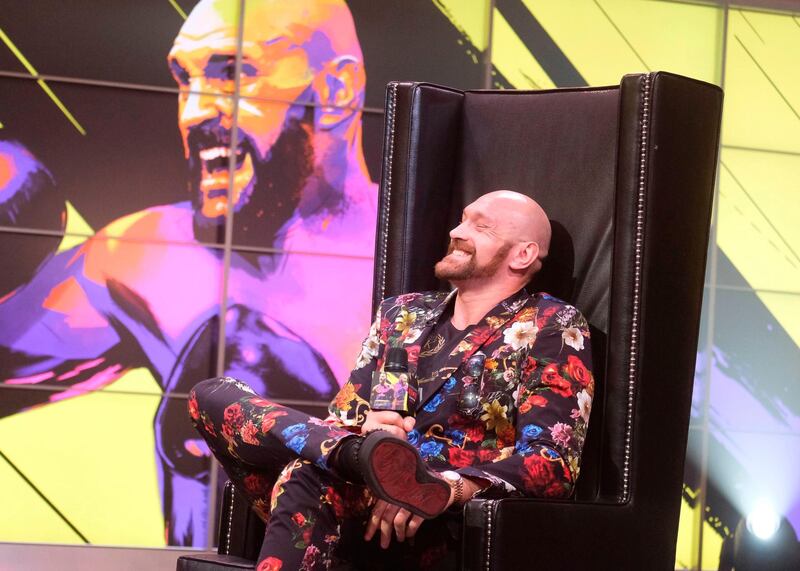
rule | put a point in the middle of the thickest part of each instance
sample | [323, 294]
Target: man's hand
[389, 421]
[389, 516]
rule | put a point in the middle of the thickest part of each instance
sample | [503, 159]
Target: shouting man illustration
[145, 291]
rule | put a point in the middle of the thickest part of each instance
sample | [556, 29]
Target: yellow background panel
[763, 59]
[93, 457]
[25, 516]
[757, 219]
[470, 17]
[513, 60]
[686, 551]
[681, 38]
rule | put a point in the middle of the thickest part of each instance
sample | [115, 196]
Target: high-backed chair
[626, 174]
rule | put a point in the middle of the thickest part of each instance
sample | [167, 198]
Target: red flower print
[299, 519]
[556, 382]
[413, 353]
[270, 564]
[505, 437]
[269, 420]
[473, 430]
[487, 454]
[234, 416]
[528, 367]
[335, 501]
[461, 458]
[248, 433]
[531, 401]
[539, 477]
[480, 335]
[578, 371]
[194, 412]
[545, 317]
[256, 484]
[258, 401]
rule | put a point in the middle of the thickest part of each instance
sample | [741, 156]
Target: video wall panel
[113, 40]
[143, 167]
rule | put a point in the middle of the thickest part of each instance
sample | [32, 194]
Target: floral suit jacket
[536, 390]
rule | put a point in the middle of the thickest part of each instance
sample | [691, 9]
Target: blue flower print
[434, 403]
[530, 432]
[450, 384]
[457, 436]
[551, 454]
[296, 436]
[297, 443]
[413, 437]
[430, 448]
[523, 448]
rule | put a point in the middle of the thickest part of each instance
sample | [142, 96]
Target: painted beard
[268, 199]
[459, 264]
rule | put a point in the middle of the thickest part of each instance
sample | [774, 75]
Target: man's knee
[217, 391]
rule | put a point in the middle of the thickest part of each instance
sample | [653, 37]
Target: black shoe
[393, 470]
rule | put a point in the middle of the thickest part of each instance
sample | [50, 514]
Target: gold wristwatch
[457, 483]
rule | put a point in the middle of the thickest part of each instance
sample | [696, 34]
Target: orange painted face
[280, 61]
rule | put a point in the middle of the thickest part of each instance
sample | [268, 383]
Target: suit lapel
[485, 332]
[411, 328]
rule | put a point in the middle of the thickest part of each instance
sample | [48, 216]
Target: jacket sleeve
[553, 403]
[350, 406]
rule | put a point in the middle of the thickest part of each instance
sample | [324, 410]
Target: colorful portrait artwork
[146, 290]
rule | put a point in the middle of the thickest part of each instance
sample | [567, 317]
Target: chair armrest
[241, 531]
[516, 533]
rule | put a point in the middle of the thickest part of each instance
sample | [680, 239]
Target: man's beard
[272, 195]
[469, 268]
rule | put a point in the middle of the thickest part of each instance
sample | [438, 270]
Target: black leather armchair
[626, 174]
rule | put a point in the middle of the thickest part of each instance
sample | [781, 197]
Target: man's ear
[526, 256]
[339, 89]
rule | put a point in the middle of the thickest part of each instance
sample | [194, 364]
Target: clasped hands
[386, 516]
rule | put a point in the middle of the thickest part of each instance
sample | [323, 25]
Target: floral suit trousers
[278, 457]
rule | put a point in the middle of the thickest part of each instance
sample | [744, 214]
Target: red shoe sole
[402, 478]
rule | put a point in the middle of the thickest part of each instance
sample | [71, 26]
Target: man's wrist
[472, 488]
[464, 488]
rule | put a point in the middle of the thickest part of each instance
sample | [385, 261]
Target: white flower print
[520, 335]
[413, 335]
[584, 404]
[573, 337]
[369, 348]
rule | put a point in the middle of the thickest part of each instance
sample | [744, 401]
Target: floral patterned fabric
[536, 390]
[524, 438]
[277, 457]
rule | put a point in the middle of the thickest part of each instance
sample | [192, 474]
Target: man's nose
[202, 103]
[458, 233]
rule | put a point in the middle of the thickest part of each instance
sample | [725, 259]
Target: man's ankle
[343, 459]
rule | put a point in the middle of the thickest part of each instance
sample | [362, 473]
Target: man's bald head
[301, 87]
[526, 221]
[502, 238]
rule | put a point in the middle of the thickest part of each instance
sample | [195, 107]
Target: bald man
[505, 392]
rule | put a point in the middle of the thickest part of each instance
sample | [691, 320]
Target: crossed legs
[279, 458]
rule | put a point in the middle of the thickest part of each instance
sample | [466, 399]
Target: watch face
[451, 476]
